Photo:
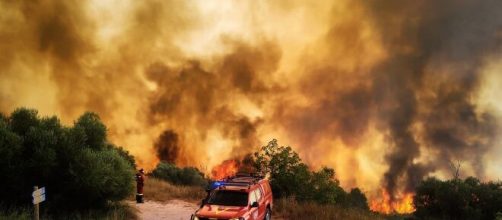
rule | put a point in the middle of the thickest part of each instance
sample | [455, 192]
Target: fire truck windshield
[228, 198]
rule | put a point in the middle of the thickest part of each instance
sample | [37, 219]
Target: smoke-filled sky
[384, 91]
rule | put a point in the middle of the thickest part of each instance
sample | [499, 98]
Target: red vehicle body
[243, 197]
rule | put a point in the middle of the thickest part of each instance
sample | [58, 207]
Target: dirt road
[172, 210]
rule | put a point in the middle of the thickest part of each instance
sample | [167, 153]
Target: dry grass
[159, 190]
[291, 209]
[117, 211]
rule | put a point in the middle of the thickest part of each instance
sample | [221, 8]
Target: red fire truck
[242, 197]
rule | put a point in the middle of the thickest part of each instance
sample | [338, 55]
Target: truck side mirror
[254, 205]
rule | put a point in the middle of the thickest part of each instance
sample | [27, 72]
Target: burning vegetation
[398, 204]
[232, 166]
[225, 169]
[386, 93]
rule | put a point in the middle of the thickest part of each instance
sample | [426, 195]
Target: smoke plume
[431, 83]
[386, 92]
[167, 146]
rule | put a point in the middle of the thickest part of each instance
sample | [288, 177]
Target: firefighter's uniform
[140, 181]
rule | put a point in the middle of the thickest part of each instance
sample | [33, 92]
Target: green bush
[95, 131]
[498, 216]
[458, 199]
[325, 187]
[179, 176]
[356, 198]
[73, 163]
[124, 154]
[290, 177]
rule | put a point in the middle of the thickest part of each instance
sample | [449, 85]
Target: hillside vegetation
[290, 177]
[189, 176]
[458, 199]
[87, 177]
[80, 169]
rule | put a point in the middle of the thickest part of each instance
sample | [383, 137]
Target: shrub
[124, 154]
[356, 198]
[95, 131]
[458, 199]
[73, 163]
[289, 176]
[325, 187]
[179, 176]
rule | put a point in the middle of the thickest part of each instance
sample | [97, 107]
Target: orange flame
[225, 169]
[401, 204]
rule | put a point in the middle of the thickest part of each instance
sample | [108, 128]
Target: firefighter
[140, 182]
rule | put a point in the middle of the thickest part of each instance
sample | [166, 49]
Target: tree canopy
[179, 176]
[76, 164]
[289, 176]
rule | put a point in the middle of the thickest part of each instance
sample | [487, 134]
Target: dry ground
[167, 201]
[173, 209]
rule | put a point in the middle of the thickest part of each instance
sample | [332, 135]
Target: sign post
[38, 197]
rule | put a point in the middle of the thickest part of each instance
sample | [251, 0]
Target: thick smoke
[195, 96]
[430, 79]
[421, 95]
[386, 92]
[167, 146]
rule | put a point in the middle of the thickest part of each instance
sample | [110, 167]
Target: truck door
[254, 212]
[262, 208]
